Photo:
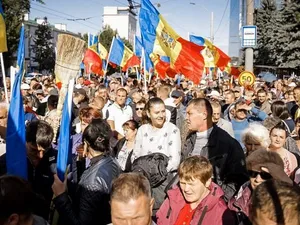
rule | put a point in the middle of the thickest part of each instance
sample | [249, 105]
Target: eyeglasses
[139, 109]
[263, 175]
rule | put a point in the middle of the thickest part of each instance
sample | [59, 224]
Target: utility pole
[212, 27]
[211, 22]
[249, 21]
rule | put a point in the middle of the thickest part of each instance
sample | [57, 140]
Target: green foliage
[43, 48]
[278, 34]
[85, 37]
[291, 28]
[106, 36]
[265, 15]
[13, 13]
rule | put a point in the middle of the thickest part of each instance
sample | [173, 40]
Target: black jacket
[116, 151]
[226, 156]
[91, 205]
[40, 178]
[173, 111]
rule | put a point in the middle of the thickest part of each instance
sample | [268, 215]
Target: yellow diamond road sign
[247, 78]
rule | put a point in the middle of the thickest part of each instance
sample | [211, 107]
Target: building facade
[30, 27]
[121, 19]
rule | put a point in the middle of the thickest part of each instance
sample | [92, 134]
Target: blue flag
[138, 47]
[92, 40]
[64, 141]
[16, 160]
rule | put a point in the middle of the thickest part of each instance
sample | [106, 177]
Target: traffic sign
[249, 36]
[246, 77]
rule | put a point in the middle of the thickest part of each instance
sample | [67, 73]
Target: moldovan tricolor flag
[122, 55]
[221, 60]
[160, 39]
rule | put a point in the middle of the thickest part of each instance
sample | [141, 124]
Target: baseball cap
[214, 93]
[176, 94]
[292, 84]
[25, 86]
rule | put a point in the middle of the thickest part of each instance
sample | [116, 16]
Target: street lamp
[211, 21]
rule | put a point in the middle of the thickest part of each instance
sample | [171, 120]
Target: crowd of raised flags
[160, 49]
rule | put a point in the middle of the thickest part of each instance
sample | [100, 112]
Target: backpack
[152, 166]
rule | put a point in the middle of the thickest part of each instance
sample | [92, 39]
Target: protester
[263, 102]
[79, 164]
[161, 137]
[51, 115]
[290, 144]
[17, 203]
[243, 116]
[131, 201]
[280, 110]
[178, 97]
[119, 113]
[139, 108]
[278, 136]
[255, 137]
[124, 148]
[295, 113]
[103, 92]
[229, 100]
[163, 93]
[275, 202]
[98, 104]
[41, 161]
[3, 124]
[220, 122]
[91, 205]
[197, 200]
[208, 140]
[261, 165]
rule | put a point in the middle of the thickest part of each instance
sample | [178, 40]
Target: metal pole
[249, 51]
[212, 27]
[4, 78]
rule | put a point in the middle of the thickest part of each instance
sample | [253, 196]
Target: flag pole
[145, 78]
[108, 57]
[4, 77]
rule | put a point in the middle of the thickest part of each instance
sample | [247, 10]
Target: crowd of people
[167, 153]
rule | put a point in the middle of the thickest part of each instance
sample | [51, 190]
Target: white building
[121, 19]
[30, 28]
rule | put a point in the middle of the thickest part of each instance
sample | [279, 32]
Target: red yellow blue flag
[159, 38]
[121, 55]
[214, 57]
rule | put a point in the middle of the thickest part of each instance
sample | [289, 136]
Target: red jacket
[216, 212]
[241, 202]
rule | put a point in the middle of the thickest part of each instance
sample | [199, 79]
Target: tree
[85, 37]
[106, 36]
[13, 13]
[264, 53]
[43, 47]
[291, 38]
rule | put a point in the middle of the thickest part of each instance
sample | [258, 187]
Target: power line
[121, 2]
[65, 14]
[222, 16]
[64, 18]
